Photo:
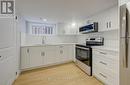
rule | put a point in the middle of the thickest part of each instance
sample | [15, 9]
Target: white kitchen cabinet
[25, 58]
[51, 55]
[106, 66]
[61, 28]
[35, 56]
[32, 57]
[72, 31]
[108, 20]
[121, 2]
[112, 20]
[67, 29]
[67, 52]
[7, 32]
[59, 54]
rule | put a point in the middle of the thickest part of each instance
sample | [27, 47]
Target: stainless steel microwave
[89, 28]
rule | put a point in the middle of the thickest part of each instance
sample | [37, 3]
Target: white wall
[22, 27]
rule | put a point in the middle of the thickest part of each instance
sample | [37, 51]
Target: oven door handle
[82, 48]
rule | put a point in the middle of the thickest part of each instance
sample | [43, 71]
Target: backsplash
[111, 38]
[32, 40]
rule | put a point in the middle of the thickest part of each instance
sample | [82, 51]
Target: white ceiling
[62, 10]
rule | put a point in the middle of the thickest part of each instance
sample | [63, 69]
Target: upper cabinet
[121, 2]
[107, 19]
[67, 29]
[7, 32]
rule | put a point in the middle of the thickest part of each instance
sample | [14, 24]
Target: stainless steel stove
[84, 54]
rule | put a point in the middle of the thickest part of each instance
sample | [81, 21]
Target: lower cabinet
[66, 52]
[36, 56]
[105, 66]
[51, 55]
[32, 57]
[25, 58]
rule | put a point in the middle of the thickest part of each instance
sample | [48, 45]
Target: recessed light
[73, 24]
[44, 20]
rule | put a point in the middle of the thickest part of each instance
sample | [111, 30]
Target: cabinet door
[61, 28]
[101, 18]
[67, 52]
[36, 56]
[121, 2]
[108, 20]
[51, 55]
[114, 19]
[6, 32]
[25, 58]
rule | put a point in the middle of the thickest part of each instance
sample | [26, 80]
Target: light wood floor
[66, 74]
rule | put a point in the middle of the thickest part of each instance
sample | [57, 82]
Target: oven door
[84, 55]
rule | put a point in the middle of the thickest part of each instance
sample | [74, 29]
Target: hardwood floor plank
[67, 74]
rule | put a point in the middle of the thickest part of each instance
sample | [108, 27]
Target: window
[41, 28]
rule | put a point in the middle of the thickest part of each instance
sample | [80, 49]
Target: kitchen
[64, 42]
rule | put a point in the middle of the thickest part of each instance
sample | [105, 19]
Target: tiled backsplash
[32, 40]
[111, 38]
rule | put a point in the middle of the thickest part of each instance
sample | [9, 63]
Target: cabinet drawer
[105, 75]
[106, 63]
[106, 54]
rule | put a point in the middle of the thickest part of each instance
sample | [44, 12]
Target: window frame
[30, 26]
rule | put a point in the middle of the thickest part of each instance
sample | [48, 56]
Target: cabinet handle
[110, 24]
[107, 24]
[103, 75]
[61, 51]
[103, 53]
[61, 46]
[103, 63]
[27, 50]
[43, 54]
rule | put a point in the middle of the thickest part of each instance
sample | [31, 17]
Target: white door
[6, 32]
[7, 67]
[36, 56]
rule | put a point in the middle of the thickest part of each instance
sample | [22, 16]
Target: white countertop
[106, 48]
[48, 44]
[55, 44]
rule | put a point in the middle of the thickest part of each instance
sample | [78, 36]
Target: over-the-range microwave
[89, 28]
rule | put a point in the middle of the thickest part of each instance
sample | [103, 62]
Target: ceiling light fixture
[44, 20]
[73, 24]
